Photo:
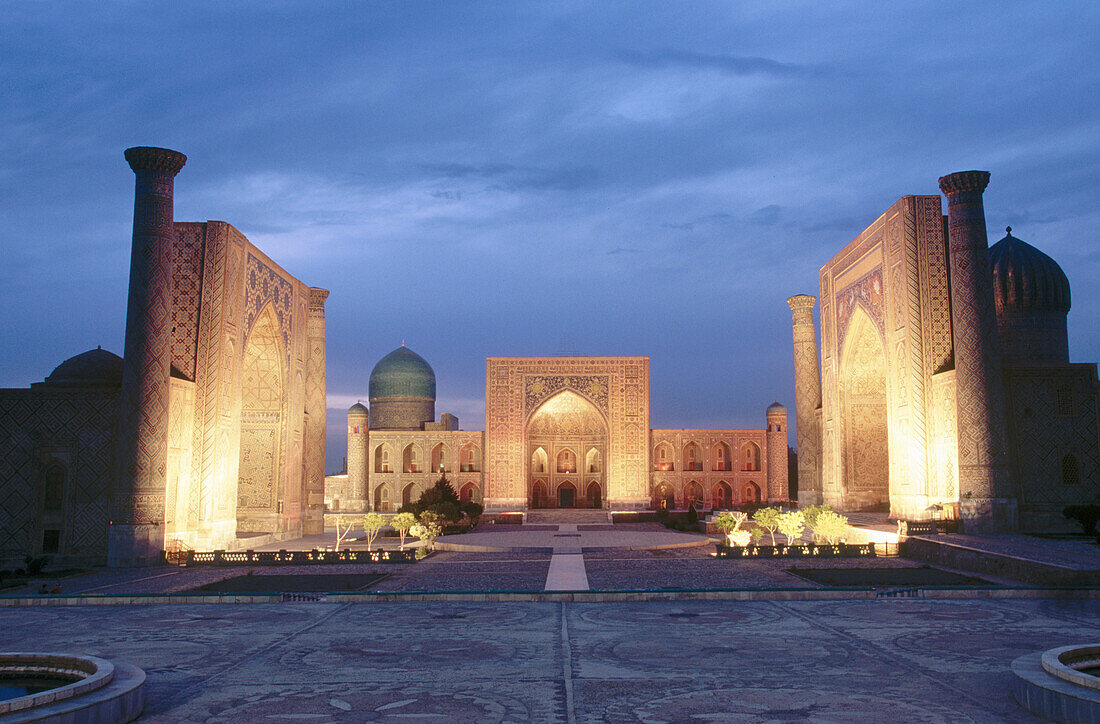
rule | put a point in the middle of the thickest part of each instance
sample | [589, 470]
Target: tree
[768, 519]
[791, 524]
[440, 498]
[429, 528]
[810, 513]
[402, 522]
[343, 530]
[830, 525]
[372, 524]
[724, 522]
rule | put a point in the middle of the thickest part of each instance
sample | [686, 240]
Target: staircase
[576, 516]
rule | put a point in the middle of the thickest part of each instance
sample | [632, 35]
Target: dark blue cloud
[486, 179]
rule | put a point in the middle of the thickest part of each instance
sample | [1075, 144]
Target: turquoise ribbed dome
[402, 373]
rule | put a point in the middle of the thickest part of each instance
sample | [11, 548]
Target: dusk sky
[518, 179]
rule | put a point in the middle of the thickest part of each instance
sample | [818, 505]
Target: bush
[692, 514]
[1086, 515]
[472, 510]
[35, 565]
[661, 514]
[830, 526]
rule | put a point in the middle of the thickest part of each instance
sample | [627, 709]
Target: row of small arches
[566, 461]
[692, 458]
[721, 496]
[439, 460]
[409, 494]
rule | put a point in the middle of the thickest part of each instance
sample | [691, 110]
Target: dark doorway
[567, 496]
[595, 496]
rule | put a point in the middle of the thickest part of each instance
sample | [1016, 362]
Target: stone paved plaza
[901, 660]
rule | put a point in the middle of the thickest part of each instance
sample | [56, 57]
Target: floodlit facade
[560, 432]
[209, 428]
[945, 382]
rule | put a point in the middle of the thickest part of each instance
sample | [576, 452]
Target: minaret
[358, 457]
[776, 436]
[986, 503]
[137, 509]
[314, 515]
[807, 399]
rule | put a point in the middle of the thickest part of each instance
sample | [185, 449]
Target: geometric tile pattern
[983, 463]
[620, 385]
[186, 288]
[142, 457]
[807, 395]
[36, 425]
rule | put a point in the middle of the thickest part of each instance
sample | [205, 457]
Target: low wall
[964, 558]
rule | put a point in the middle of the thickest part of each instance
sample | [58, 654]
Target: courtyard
[910, 660]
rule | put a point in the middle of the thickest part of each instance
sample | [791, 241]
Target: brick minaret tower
[358, 458]
[313, 519]
[136, 534]
[807, 399]
[985, 495]
[778, 482]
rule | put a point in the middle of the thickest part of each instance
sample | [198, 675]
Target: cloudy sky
[526, 178]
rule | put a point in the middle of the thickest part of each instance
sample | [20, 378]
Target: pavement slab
[916, 660]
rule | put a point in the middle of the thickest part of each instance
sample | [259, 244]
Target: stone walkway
[886, 660]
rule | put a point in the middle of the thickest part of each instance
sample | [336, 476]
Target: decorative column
[986, 503]
[313, 519]
[136, 532]
[807, 398]
[358, 459]
[776, 437]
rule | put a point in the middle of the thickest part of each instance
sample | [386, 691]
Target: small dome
[96, 367]
[776, 407]
[402, 373]
[1025, 279]
[357, 409]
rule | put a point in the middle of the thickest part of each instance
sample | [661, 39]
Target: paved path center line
[566, 573]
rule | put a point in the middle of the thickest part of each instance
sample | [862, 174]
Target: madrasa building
[942, 385]
[560, 432]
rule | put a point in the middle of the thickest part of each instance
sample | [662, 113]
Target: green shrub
[830, 525]
[692, 514]
[768, 519]
[1087, 515]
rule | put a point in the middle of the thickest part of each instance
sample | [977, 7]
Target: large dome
[402, 373]
[94, 368]
[1025, 279]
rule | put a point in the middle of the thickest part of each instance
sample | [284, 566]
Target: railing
[294, 558]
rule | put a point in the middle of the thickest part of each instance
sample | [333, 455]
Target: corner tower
[137, 510]
[778, 477]
[985, 497]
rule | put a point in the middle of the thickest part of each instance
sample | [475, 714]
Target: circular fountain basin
[56, 687]
[1062, 684]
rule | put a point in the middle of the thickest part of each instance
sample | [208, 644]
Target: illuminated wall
[616, 387]
[885, 343]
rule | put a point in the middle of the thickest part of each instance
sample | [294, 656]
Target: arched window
[469, 458]
[1071, 472]
[592, 461]
[693, 457]
[538, 495]
[382, 459]
[722, 456]
[538, 461]
[407, 495]
[750, 493]
[663, 497]
[382, 499]
[750, 456]
[721, 496]
[439, 459]
[567, 461]
[693, 495]
[594, 494]
[411, 459]
[467, 492]
[662, 457]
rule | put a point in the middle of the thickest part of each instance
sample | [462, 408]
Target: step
[567, 515]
